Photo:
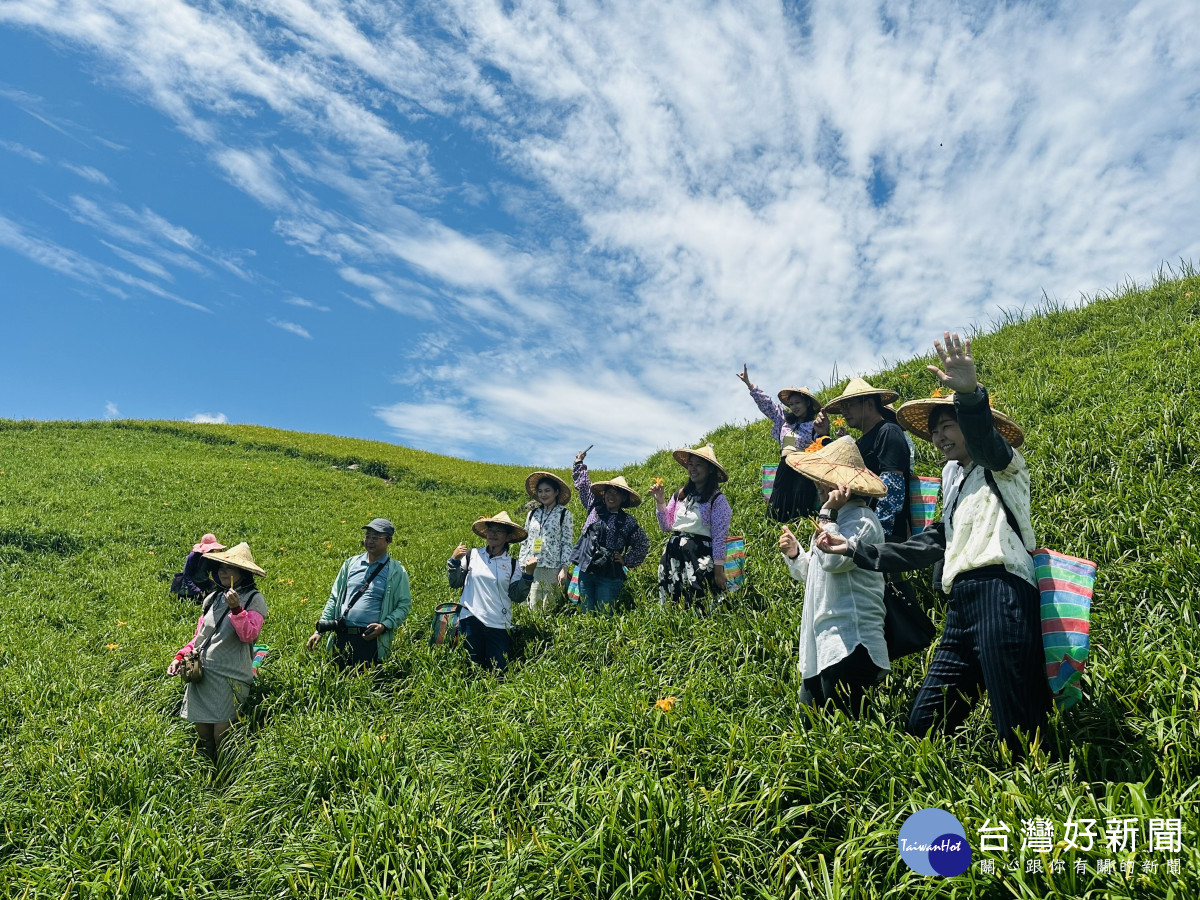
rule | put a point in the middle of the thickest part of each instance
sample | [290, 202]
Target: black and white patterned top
[556, 530]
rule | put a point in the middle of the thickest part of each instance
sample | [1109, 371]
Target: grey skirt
[216, 698]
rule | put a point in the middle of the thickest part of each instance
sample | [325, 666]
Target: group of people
[859, 489]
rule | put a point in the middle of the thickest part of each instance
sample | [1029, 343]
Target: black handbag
[906, 627]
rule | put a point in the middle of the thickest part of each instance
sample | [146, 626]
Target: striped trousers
[992, 641]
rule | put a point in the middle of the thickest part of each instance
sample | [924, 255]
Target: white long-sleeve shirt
[843, 604]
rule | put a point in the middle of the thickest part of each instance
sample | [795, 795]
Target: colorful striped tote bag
[768, 480]
[735, 563]
[1065, 583]
[922, 501]
[260, 653]
[573, 588]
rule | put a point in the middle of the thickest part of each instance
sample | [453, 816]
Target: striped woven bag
[1065, 583]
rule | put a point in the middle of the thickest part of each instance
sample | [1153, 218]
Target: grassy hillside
[563, 780]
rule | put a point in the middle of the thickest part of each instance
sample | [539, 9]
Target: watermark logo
[933, 842]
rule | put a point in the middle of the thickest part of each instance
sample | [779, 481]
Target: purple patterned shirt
[633, 536]
[803, 432]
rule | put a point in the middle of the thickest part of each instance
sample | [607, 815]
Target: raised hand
[821, 425]
[459, 552]
[788, 545]
[958, 368]
[838, 497]
[530, 565]
[658, 491]
[744, 375]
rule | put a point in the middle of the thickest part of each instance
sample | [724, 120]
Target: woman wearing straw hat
[797, 420]
[611, 541]
[491, 583]
[692, 568]
[842, 645]
[992, 635]
[225, 633]
[550, 536]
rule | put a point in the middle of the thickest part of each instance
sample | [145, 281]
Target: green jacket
[397, 601]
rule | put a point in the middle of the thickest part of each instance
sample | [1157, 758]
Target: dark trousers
[487, 647]
[992, 641]
[843, 684]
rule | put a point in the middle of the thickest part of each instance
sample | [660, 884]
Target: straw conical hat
[813, 402]
[635, 498]
[705, 453]
[858, 387]
[564, 490]
[914, 416]
[838, 462]
[237, 556]
[516, 532]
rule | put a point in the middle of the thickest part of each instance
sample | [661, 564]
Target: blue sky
[509, 230]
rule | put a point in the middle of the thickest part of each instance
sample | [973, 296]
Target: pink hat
[208, 542]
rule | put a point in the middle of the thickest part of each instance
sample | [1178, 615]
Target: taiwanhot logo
[933, 842]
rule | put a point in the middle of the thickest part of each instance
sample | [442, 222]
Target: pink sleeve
[247, 624]
[191, 645]
[666, 517]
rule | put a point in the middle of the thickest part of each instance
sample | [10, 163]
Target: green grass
[562, 780]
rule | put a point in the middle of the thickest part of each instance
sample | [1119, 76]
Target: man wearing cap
[611, 541]
[371, 591]
[992, 636]
[491, 583]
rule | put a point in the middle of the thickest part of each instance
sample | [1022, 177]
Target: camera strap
[363, 588]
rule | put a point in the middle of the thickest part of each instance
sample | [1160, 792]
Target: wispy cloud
[305, 304]
[111, 411]
[22, 150]
[75, 265]
[291, 327]
[91, 173]
[205, 418]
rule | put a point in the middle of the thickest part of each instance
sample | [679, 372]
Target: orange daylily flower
[666, 704]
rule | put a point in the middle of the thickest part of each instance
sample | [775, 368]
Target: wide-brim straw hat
[207, 543]
[838, 462]
[239, 557]
[705, 453]
[515, 531]
[564, 489]
[813, 403]
[635, 498]
[914, 416]
[857, 388]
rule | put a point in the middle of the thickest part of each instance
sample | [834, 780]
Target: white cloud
[91, 173]
[671, 189]
[254, 172]
[291, 327]
[305, 304]
[22, 150]
[111, 411]
[205, 418]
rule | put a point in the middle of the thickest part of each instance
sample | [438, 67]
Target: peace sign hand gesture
[959, 368]
[744, 376]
